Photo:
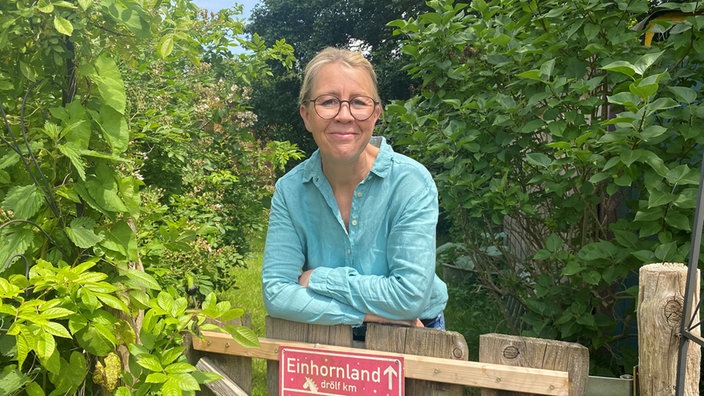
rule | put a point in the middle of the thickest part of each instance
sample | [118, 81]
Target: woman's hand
[379, 319]
[304, 278]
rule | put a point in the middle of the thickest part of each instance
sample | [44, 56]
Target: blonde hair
[329, 55]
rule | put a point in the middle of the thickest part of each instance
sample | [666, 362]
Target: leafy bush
[79, 314]
[561, 141]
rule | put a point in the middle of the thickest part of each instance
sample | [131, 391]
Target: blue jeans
[437, 322]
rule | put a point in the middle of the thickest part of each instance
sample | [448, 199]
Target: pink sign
[304, 371]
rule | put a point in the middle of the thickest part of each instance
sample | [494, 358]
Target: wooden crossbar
[474, 374]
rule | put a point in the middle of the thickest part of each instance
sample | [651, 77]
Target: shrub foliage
[127, 178]
[566, 152]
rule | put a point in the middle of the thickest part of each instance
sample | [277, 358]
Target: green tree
[566, 153]
[78, 313]
[310, 26]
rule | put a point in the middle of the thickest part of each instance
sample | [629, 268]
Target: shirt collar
[381, 166]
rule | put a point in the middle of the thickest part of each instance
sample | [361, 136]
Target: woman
[351, 235]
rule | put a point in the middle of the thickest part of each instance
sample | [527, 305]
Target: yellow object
[108, 375]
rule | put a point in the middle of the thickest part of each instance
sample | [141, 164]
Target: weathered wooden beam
[222, 387]
[539, 353]
[473, 374]
[660, 313]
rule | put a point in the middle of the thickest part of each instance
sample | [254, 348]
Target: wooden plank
[301, 332]
[223, 386]
[660, 313]
[536, 353]
[423, 342]
[473, 374]
[236, 368]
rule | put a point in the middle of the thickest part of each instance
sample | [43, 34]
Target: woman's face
[341, 138]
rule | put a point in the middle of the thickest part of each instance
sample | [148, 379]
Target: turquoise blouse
[384, 264]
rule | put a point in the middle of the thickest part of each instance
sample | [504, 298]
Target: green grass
[248, 295]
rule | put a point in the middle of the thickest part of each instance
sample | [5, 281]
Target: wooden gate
[435, 361]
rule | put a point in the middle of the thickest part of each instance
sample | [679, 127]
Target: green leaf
[206, 377]
[81, 232]
[131, 15]
[622, 67]
[661, 104]
[139, 279]
[645, 256]
[655, 162]
[113, 302]
[624, 98]
[547, 68]
[166, 45]
[115, 129]
[150, 362]
[34, 389]
[71, 376]
[179, 368]
[647, 60]
[109, 82]
[667, 252]
[185, 382]
[121, 239]
[9, 159]
[232, 314]
[573, 267]
[169, 356]
[591, 276]
[15, 241]
[678, 220]
[660, 198]
[156, 378]
[28, 71]
[56, 329]
[682, 175]
[165, 301]
[96, 338]
[171, 388]
[45, 348]
[652, 131]
[63, 25]
[243, 335]
[139, 299]
[539, 159]
[12, 380]
[684, 94]
[24, 201]
[530, 75]
[75, 157]
[643, 91]
[8, 290]
[103, 190]
[590, 31]
[123, 391]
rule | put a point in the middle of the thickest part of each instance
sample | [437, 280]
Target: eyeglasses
[328, 106]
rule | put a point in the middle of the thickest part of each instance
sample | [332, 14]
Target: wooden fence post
[536, 353]
[281, 329]
[423, 342]
[660, 305]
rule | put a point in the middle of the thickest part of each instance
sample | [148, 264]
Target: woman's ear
[303, 111]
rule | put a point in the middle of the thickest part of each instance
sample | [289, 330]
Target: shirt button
[349, 251]
[354, 222]
[359, 194]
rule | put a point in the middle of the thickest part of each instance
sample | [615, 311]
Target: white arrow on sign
[391, 372]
